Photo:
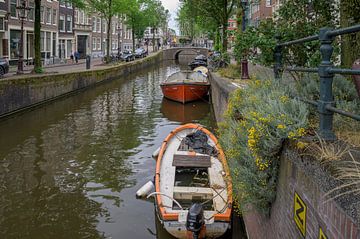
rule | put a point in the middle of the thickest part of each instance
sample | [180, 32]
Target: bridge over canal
[173, 53]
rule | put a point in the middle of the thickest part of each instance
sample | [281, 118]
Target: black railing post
[326, 80]
[278, 59]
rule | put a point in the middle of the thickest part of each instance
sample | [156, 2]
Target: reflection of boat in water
[193, 189]
[184, 113]
[185, 86]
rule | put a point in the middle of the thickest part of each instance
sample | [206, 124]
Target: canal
[70, 168]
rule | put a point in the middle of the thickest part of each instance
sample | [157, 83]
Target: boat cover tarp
[198, 141]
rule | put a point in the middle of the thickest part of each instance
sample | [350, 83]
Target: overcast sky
[172, 6]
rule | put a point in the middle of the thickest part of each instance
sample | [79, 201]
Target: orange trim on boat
[226, 216]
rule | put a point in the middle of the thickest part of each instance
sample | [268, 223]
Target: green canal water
[70, 169]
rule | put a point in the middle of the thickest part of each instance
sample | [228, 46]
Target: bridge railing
[326, 71]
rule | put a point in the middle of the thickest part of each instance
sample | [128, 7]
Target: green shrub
[259, 118]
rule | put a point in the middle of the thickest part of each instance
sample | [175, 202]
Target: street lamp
[244, 61]
[22, 13]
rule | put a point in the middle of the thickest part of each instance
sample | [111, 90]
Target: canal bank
[301, 208]
[26, 92]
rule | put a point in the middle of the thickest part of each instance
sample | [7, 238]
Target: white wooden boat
[193, 188]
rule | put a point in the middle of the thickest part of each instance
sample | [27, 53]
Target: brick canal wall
[23, 93]
[220, 94]
[300, 210]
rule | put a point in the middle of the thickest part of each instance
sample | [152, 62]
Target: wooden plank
[192, 192]
[218, 183]
[197, 161]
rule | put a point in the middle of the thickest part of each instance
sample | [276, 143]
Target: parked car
[4, 66]
[140, 53]
[201, 58]
[127, 56]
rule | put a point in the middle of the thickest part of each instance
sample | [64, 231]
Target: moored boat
[185, 86]
[202, 69]
[193, 189]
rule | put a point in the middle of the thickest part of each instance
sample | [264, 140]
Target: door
[81, 46]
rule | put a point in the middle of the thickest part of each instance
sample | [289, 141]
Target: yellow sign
[300, 214]
[322, 234]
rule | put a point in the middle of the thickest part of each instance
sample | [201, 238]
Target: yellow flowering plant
[258, 120]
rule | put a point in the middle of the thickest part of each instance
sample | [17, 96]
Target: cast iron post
[278, 59]
[326, 79]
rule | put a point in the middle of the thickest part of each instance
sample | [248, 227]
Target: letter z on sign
[300, 214]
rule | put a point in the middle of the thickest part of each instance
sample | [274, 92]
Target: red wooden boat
[185, 86]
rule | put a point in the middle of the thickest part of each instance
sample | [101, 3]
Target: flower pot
[356, 78]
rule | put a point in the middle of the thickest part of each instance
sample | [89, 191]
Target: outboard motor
[195, 219]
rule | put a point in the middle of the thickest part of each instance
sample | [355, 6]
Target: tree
[216, 12]
[37, 31]
[107, 9]
[295, 19]
[350, 47]
[135, 11]
[156, 16]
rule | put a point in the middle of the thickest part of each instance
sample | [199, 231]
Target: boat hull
[218, 219]
[178, 229]
[185, 92]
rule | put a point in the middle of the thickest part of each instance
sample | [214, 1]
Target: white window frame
[62, 28]
[71, 23]
[47, 15]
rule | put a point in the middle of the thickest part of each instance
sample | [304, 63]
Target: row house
[120, 36]
[64, 30]
[154, 33]
[10, 30]
[258, 11]
[66, 40]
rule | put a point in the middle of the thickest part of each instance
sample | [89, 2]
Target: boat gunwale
[198, 83]
[224, 217]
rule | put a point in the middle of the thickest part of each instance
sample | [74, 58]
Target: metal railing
[326, 70]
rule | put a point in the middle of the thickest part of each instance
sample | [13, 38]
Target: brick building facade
[64, 30]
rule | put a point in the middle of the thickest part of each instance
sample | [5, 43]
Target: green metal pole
[326, 80]
[278, 59]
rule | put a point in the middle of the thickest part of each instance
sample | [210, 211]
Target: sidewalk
[48, 68]
[96, 64]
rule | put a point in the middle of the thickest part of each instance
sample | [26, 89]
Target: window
[48, 15]
[68, 4]
[42, 38]
[81, 17]
[62, 23]
[69, 23]
[54, 20]
[268, 3]
[14, 43]
[31, 11]
[94, 43]
[54, 44]
[62, 3]
[99, 44]
[42, 14]
[48, 41]
[98, 25]
[113, 27]
[104, 26]
[68, 48]
[13, 8]
[2, 28]
[94, 24]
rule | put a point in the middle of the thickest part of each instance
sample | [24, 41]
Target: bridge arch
[173, 53]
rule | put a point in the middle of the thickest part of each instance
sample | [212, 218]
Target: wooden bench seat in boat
[189, 193]
[193, 161]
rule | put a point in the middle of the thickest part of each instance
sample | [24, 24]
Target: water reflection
[70, 169]
[184, 113]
